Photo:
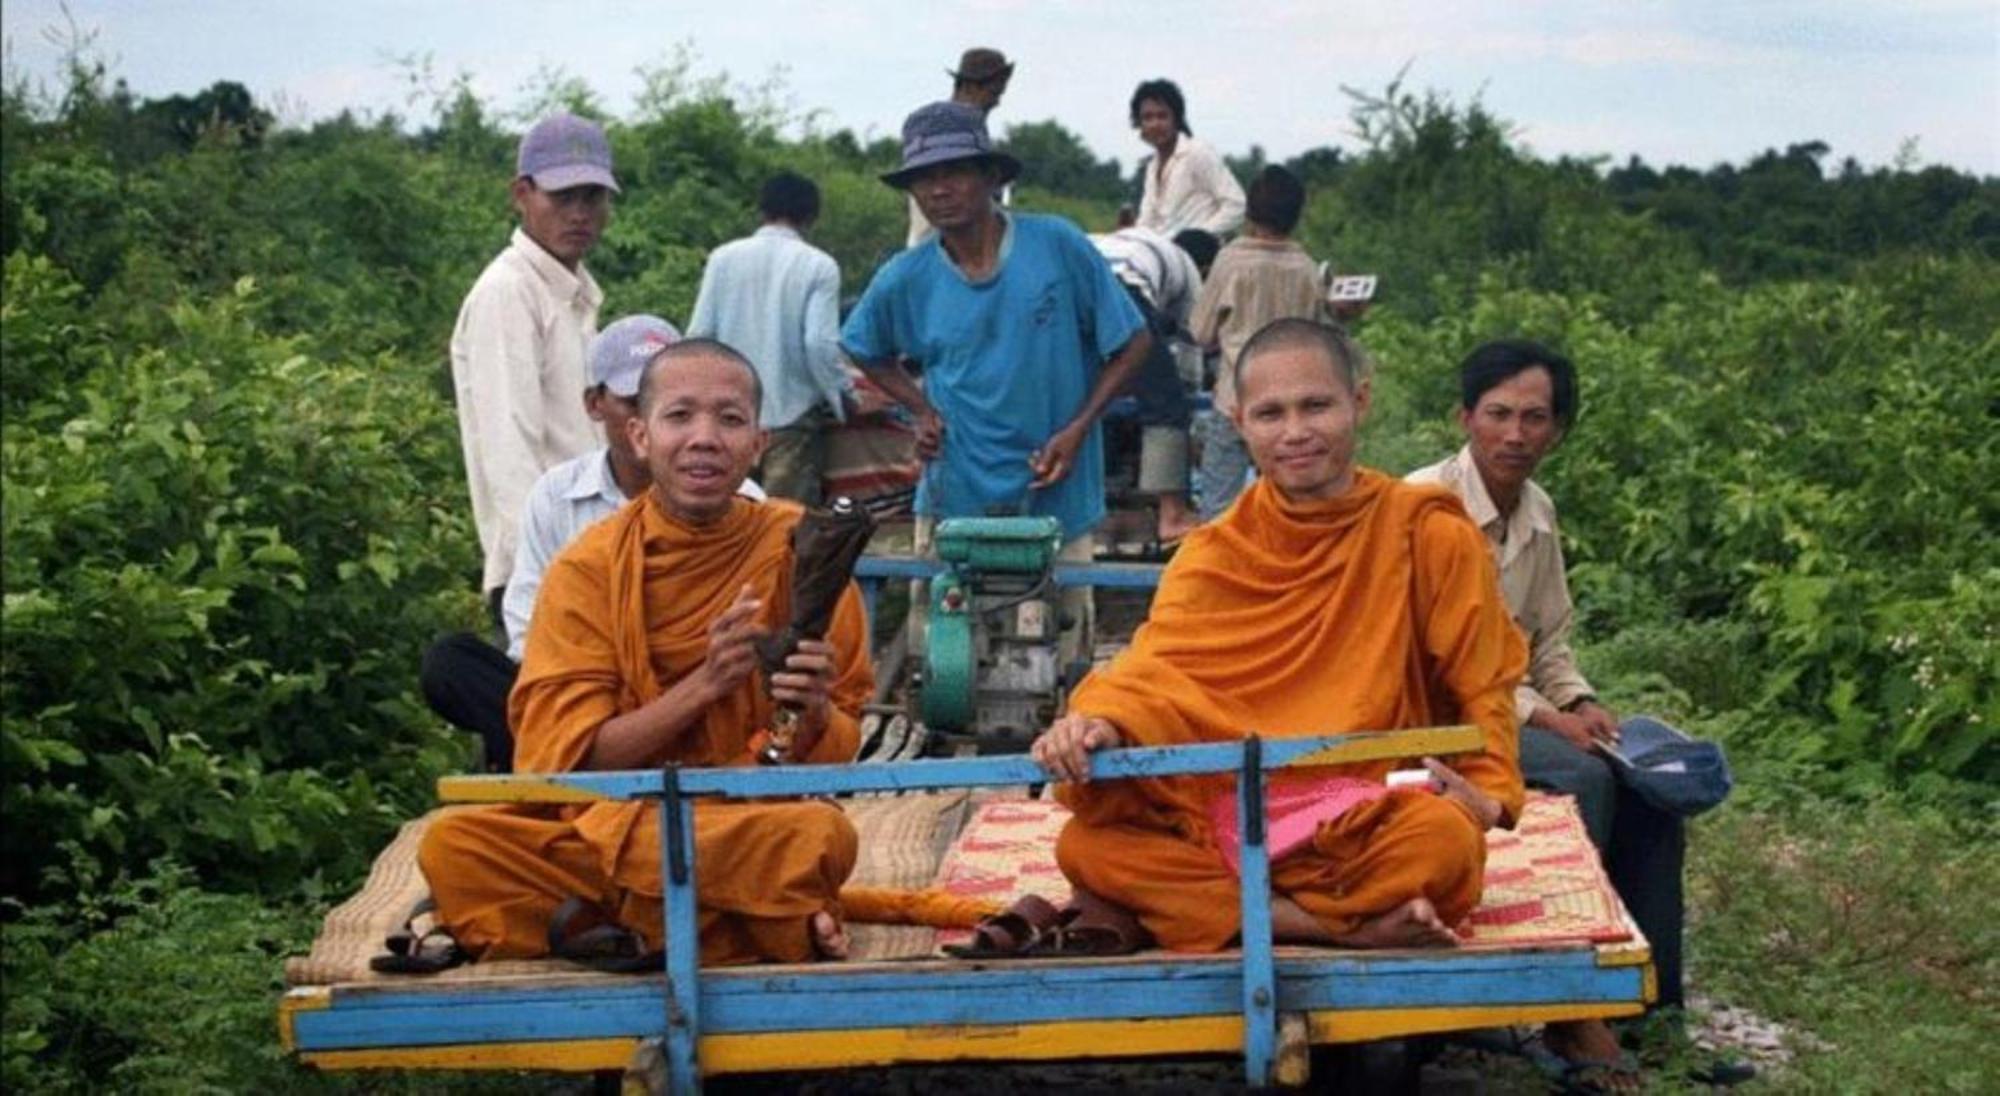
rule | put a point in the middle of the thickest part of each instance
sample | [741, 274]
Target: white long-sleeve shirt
[1195, 190]
[517, 365]
[568, 499]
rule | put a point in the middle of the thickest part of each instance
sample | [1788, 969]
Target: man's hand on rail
[1065, 748]
[1484, 809]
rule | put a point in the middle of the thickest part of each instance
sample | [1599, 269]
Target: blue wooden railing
[676, 789]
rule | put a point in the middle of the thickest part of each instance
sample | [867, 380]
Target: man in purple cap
[466, 679]
[517, 354]
[1024, 335]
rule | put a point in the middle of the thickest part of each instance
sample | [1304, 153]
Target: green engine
[991, 661]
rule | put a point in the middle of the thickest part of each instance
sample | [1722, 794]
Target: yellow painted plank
[572, 1056]
[509, 789]
[1624, 955]
[1383, 745]
[883, 1046]
[810, 1050]
[788, 1050]
[1361, 1027]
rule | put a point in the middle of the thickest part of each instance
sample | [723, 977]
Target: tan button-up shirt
[1529, 552]
[517, 363]
[1253, 282]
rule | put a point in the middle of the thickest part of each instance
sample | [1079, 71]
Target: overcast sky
[1684, 82]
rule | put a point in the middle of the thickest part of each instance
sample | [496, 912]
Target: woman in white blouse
[1187, 184]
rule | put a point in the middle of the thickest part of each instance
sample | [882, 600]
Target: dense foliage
[234, 509]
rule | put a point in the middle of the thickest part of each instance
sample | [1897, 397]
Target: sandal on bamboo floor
[413, 952]
[1090, 926]
[1011, 933]
[582, 933]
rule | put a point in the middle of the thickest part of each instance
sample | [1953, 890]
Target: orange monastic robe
[624, 613]
[1374, 611]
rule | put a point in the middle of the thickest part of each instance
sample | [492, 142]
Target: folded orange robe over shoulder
[1377, 610]
[623, 613]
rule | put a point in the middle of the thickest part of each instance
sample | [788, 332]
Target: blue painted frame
[1167, 989]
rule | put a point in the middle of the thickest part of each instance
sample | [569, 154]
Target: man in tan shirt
[1263, 275]
[1517, 400]
[517, 354]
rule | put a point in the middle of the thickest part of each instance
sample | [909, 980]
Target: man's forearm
[891, 378]
[636, 739]
[1123, 367]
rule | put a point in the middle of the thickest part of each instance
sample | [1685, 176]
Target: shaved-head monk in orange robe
[642, 652]
[1329, 598]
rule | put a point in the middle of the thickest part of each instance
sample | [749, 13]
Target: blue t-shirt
[1007, 362]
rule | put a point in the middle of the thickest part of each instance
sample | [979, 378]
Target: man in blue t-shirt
[1024, 336]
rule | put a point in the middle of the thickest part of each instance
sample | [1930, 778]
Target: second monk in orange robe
[640, 653]
[1329, 598]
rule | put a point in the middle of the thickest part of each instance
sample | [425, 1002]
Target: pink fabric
[1294, 811]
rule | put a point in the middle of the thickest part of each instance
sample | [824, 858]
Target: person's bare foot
[1414, 924]
[829, 936]
[1591, 1045]
[1177, 519]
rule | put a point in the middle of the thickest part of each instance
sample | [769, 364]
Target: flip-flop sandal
[871, 737]
[1011, 933]
[413, 952]
[895, 735]
[605, 946]
[915, 742]
[1090, 926]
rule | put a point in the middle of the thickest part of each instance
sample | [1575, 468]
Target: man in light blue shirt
[1023, 333]
[776, 300]
[466, 679]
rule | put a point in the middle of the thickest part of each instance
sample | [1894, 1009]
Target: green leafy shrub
[223, 558]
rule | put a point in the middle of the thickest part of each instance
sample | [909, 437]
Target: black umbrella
[825, 545]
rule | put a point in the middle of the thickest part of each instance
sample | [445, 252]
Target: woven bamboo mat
[902, 838]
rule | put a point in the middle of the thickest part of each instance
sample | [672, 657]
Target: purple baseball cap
[620, 353]
[563, 151]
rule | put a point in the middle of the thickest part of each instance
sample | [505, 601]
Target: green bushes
[223, 557]
[1812, 464]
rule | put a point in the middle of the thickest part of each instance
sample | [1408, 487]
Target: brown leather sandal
[1091, 926]
[1010, 934]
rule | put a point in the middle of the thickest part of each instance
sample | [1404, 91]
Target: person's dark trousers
[1163, 398]
[466, 680]
[1643, 847]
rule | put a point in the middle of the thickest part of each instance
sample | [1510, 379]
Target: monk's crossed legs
[765, 873]
[1363, 882]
